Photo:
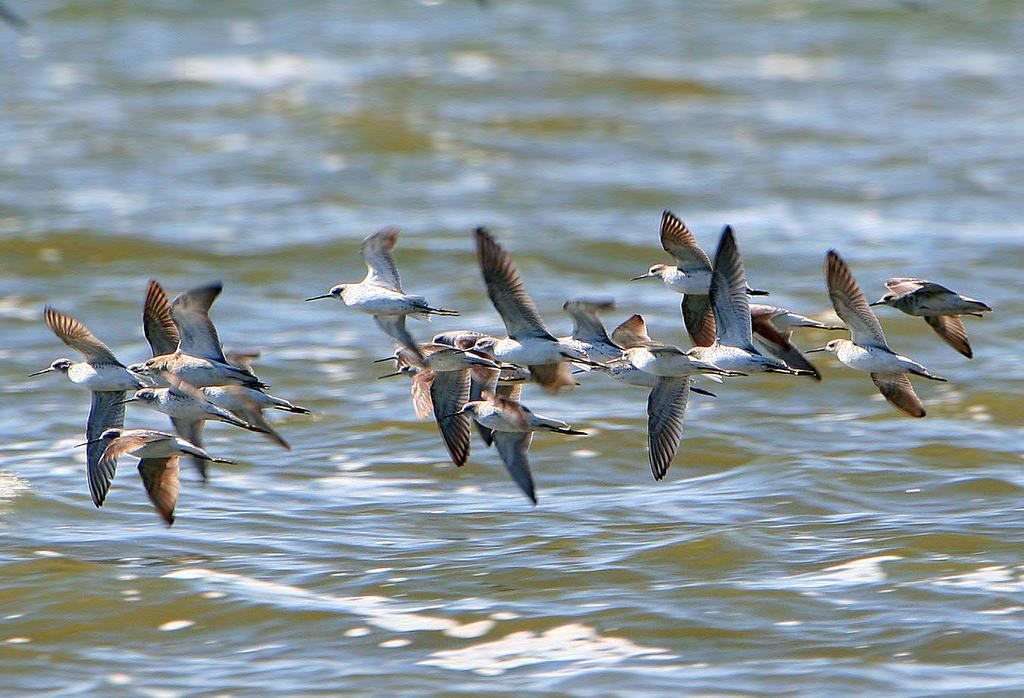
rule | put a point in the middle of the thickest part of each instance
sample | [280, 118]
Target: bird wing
[632, 333]
[778, 344]
[160, 478]
[422, 402]
[449, 392]
[729, 294]
[394, 327]
[380, 265]
[666, 406]
[586, 325]
[482, 378]
[513, 447]
[78, 337]
[191, 313]
[506, 290]
[106, 412]
[850, 304]
[951, 328]
[897, 390]
[679, 242]
[699, 319]
[902, 286]
[192, 431]
[158, 321]
[553, 376]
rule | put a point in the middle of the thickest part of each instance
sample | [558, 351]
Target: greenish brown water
[808, 539]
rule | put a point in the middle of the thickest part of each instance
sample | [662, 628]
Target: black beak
[811, 351]
[643, 276]
[316, 298]
[45, 370]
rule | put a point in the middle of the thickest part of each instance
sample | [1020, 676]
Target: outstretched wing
[506, 289]
[191, 313]
[666, 406]
[699, 319]
[78, 337]
[160, 478]
[952, 330]
[380, 265]
[449, 392]
[107, 412]
[897, 390]
[632, 333]
[850, 304]
[586, 324]
[158, 322]
[729, 294]
[513, 447]
[679, 242]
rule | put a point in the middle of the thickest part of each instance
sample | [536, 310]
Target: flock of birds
[465, 377]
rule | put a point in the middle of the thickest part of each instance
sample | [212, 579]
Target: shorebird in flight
[773, 333]
[158, 454]
[690, 276]
[733, 348]
[528, 343]
[939, 306]
[198, 357]
[867, 350]
[101, 373]
[380, 292]
[512, 425]
[588, 333]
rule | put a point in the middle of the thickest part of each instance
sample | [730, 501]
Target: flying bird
[102, 374]
[690, 276]
[380, 292]
[939, 306]
[528, 343]
[867, 350]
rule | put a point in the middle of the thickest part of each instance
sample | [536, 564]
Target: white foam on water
[867, 570]
[377, 611]
[273, 70]
[172, 625]
[990, 578]
[578, 646]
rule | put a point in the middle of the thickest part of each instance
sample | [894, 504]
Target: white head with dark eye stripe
[62, 365]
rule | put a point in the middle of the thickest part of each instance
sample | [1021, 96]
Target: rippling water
[808, 538]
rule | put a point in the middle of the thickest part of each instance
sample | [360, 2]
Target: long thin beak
[877, 303]
[316, 298]
[39, 373]
[390, 375]
[811, 351]
[386, 358]
[642, 276]
[125, 402]
[87, 443]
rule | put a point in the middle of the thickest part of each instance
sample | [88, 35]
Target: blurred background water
[808, 539]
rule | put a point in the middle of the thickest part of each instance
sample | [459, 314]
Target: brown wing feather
[160, 478]
[78, 337]
[951, 328]
[699, 319]
[632, 333]
[679, 242]
[553, 377]
[449, 392]
[422, 403]
[850, 304]
[506, 289]
[897, 390]
[666, 406]
[158, 322]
